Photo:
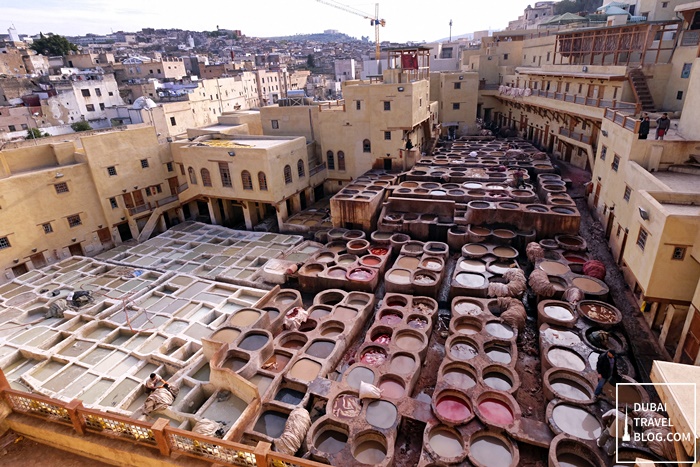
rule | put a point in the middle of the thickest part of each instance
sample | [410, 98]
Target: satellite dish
[144, 103]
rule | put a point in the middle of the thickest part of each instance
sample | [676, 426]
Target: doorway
[172, 183]
[318, 192]
[387, 162]
[124, 231]
[75, 249]
[105, 237]
[20, 269]
[38, 260]
[302, 199]
[608, 228]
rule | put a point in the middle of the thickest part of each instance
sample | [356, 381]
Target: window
[90, 108]
[664, 4]
[193, 176]
[74, 220]
[458, 85]
[275, 124]
[678, 253]
[111, 171]
[455, 106]
[358, 105]
[366, 146]
[300, 168]
[12, 127]
[61, 187]
[287, 174]
[182, 169]
[387, 135]
[247, 181]
[47, 228]
[4, 243]
[548, 53]
[172, 121]
[616, 163]
[169, 166]
[566, 87]
[341, 160]
[642, 238]
[262, 181]
[113, 203]
[110, 93]
[98, 92]
[206, 177]
[387, 105]
[628, 192]
[25, 126]
[225, 174]
[85, 92]
[679, 95]
[331, 160]
[102, 106]
[603, 152]
[148, 191]
[144, 163]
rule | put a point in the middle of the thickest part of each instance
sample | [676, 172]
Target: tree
[310, 62]
[81, 126]
[576, 6]
[35, 133]
[53, 45]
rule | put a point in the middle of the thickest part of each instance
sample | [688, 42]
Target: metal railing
[575, 136]
[316, 169]
[140, 208]
[182, 187]
[167, 200]
[625, 121]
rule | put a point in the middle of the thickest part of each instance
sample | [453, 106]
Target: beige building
[457, 94]
[141, 68]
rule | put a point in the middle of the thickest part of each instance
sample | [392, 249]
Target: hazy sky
[406, 20]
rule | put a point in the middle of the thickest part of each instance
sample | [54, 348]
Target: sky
[405, 19]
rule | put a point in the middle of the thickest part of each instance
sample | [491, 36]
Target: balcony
[167, 200]
[625, 121]
[139, 209]
[565, 97]
[182, 188]
[319, 168]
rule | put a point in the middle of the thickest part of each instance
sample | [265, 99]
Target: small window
[225, 175]
[25, 126]
[679, 95]
[172, 121]
[603, 152]
[61, 187]
[206, 177]
[98, 92]
[664, 4]
[144, 163]
[678, 253]
[4, 243]
[548, 54]
[458, 85]
[110, 93]
[47, 228]
[247, 181]
[275, 124]
[455, 106]
[12, 127]
[366, 146]
[182, 169]
[169, 166]
[628, 193]
[358, 105]
[262, 181]
[148, 191]
[85, 92]
[102, 106]
[642, 238]
[287, 174]
[331, 160]
[505, 56]
[111, 171]
[300, 168]
[566, 87]
[74, 220]
[387, 135]
[90, 108]
[193, 176]
[341, 160]
[113, 203]
[616, 163]
[387, 105]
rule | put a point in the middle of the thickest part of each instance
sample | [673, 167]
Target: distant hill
[318, 37]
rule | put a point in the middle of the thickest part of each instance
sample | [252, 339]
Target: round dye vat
[408, 262]
[445, 443]
[390, 318]
[472, 265]
[453, 409]
[370, 452]
[411, 342]
[505, 252]
[463, 351]
[499, 267]
[496, 412]
[381, 414]
[384, 339]
[319, 312]
[359, 374]
[225, 335]
[570, 389]
[305, 370]
[459, 378]
[564, 358]
[294, 344]
[347, 406]
[599, 312]
[402, 364]
[320, 349]
[499, 355]
[245, 317]
[468, 308]
[326, 257]
[371, 260]
[558, 312]
[627, 395]
[271, 423]
[360, 274]
[399, 276]
[337, 272]
[418, 323]
[553, 267]
[331, 441]
[431, 264]
[474, 249]
[502, 331]
[588, 285]
[491, 451]
[391, 389]
[373, 357]
[576, 422]
[498, 381]
[378, 251]
[467, 279]
[253, 342]
[565, 338]
[572, 460]
[467, 328]
[574, 259]
[396, 302]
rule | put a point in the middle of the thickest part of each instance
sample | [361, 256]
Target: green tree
[576, 6]
[53, 45]
[35, 133]
[310, 62]
[81, 126]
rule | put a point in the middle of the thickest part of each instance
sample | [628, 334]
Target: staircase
[161, 206]
[641, 90]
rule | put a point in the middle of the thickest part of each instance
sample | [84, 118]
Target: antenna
[450, 30]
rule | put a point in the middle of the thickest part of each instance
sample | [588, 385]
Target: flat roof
[688, 6]
[220, 126]
[240, 143]
[679, 182]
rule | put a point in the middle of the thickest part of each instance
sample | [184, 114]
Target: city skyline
[80, 17]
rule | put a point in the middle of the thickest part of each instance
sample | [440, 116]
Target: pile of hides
[294, 432]
[594, 268]
[534, 252]
[514, 313]
[573, 295]
[539, 282]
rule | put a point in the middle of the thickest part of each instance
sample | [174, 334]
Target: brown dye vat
[312, 269]
[576, 422]
[305, 370]
[371, 260]
[503, 233]
[346, 406]
[331, 441]
[235, 363]
[225, 335]
[482, 231]
[490, 451]
[344, 313]
[588, 285]
[505, 252]
[332, 329]
[329, 297]
[565, 358]
[369, 450]
[319, 311]
[468, 327]
[553, 267]
[599, 312]
[402, 364]
[399, 276]
[408, 262]
[245, 318]
[396, 301]
[474, 250]
[381, 414]
[446, 443]
[558, 283]
[277, 362]
[392, 389]
[294, 342]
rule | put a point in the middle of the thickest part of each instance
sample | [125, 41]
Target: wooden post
[72, 408]
[159, 434]
[261, 451]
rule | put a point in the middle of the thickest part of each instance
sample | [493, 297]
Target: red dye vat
[453, 408]
[496, 412]
[373, 357]
[379, 251]
[371, 261]
[383, 339]
[391, 318]
[574, 259]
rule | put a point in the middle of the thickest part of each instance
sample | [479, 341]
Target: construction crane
[374, 20]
